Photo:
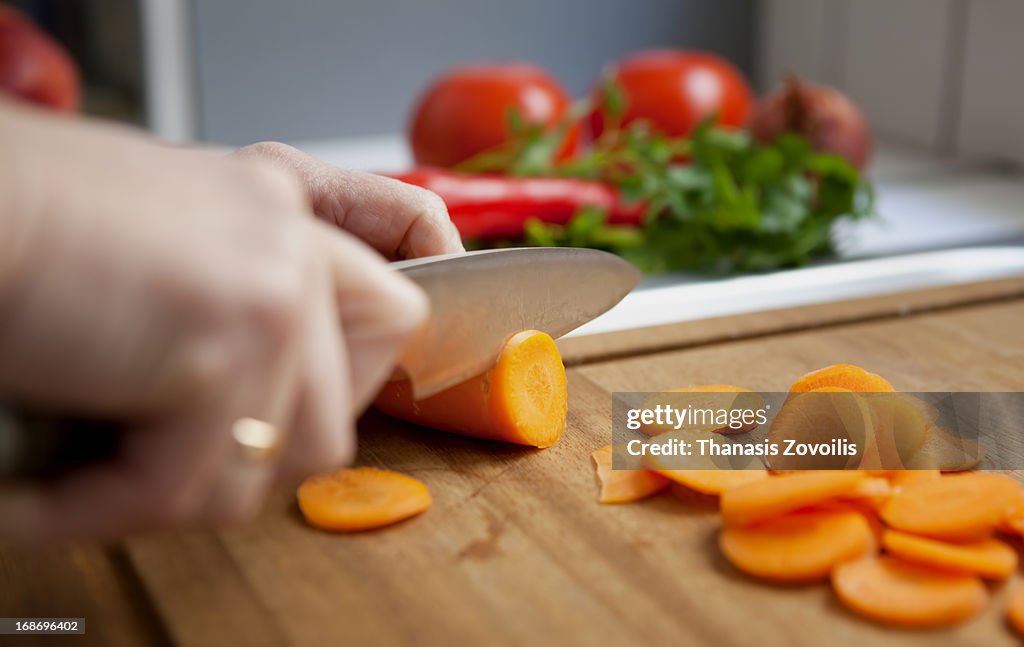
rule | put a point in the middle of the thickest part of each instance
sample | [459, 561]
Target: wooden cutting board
[516, 550]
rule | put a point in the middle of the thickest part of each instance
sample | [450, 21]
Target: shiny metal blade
[480, 299]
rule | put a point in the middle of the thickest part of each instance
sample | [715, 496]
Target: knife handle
[37, 445]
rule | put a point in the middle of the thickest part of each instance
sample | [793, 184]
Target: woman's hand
[178, 292]
[397, 219]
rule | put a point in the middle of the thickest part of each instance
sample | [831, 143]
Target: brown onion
[827, 118]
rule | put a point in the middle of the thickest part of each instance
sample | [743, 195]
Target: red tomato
[675, 89]
[465, 111]
[33, 66]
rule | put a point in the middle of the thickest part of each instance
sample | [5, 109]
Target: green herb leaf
[715, 202]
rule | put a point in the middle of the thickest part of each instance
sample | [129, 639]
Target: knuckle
[205, 366]
[272, 305]
[255, 321]
[270, 185]
[278, 186]
[235, 324]
[269, 149]
[270, 290]
[432, 205]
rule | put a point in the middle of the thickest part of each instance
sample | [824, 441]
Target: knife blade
[478, 300]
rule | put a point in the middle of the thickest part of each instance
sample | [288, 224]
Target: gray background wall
[940, 75]
[307, 69]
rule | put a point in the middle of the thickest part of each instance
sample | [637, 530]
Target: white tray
[676, 297]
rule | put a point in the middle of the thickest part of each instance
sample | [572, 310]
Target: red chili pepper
[487, 207]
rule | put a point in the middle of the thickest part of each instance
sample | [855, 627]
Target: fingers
[354, 336]
[397, 219]
[158, 481]
[323, 434]
[186, 467]
[305, 363]
[179, 472]
[264, 399]
[379, 309]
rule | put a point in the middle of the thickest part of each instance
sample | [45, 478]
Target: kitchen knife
[480, 299]
[477, 301]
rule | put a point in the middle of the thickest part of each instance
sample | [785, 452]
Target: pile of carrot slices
[913, 548]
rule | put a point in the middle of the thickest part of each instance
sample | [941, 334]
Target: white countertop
[924, 203]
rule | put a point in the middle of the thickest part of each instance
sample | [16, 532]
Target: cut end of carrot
[528, 389]
[523, 399]
[361, 498]
[624, 486]
[896, 593]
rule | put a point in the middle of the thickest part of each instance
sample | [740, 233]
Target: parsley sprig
[715, 201]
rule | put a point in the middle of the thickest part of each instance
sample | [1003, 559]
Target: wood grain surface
[516, 550]
[84, 582]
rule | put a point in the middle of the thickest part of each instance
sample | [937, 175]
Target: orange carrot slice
[827, 417]
[894, 592]
[959, 507]
[988, 558]
[361, 498]
[873, 491]
[1015, 612]
[797, 547]
[944, 450]
[521, 400]
[771, 497]
[901, 426]
[899, 478]
[845, 376]
[624, 486]
[870, 514]
[712, 481]
[1013, 521]
[709, 397]
[896, 477]
[707, 475]
[1013, 525]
